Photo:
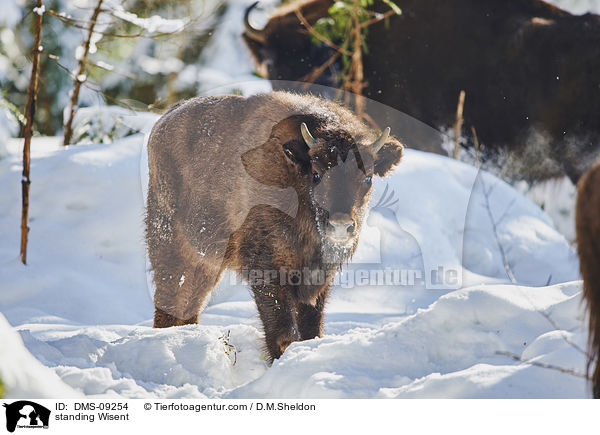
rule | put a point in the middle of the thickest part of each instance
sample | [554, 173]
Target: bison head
[329, 158]
[284, 50]
[333, 172]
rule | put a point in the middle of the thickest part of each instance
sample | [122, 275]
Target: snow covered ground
[82, 306]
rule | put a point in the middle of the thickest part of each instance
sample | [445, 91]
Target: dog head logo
[26, 414]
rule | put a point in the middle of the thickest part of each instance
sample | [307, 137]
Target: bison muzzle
[273, 186]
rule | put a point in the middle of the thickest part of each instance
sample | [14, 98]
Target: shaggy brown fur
[587, 222]
[530, 71]
[234, 185]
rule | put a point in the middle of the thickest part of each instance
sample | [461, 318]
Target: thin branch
[86, 23]
[543, 365]
[80, 76]
[70, 20]
[13, 110]
[459, 122]
[507, 267]
[316, 72]
[30, 115]
[558, 328]
[356, 79]
[55, 58]
[377, 18]
[476, 140]
[510, 274]
[505, 213]
[317, 35]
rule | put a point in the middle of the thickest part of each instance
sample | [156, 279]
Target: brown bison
[273, 186]
[531, 73]
[587, 223]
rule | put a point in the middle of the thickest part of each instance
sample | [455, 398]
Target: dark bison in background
[531, 73]
[587, 224]
[274, 187]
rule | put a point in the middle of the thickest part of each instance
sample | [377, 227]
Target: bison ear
[388, 156]
[255, 161]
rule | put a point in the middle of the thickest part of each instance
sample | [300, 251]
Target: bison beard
[273, 183]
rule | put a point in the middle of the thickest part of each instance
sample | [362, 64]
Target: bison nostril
[342, 226]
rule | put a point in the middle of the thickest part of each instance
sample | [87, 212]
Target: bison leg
[181, 294]
[162, 319]
[276, 309]
[310, 318]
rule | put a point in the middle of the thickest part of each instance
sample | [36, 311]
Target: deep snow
[82, 306]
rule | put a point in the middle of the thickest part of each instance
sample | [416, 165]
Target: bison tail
[587, 223]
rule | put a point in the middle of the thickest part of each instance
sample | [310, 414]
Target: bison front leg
[277, 311]
[310, 318]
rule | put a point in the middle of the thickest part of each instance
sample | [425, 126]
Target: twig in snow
[507, 268]
[543, 365]
[508, 207]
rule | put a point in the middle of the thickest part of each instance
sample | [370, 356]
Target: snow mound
[455, 348]
[23, 375]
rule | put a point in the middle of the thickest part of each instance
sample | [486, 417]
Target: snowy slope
[83, 308]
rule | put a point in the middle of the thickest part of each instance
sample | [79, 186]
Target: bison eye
[368, 179]
[316, 177]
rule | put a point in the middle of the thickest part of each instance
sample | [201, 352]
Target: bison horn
[379, 143]
[308, 138]
[251, 32]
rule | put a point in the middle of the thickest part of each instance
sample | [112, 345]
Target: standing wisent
[275, 187]
[587, 224]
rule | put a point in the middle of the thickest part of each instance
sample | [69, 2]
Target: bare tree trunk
[29, 115]
[80, 77]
